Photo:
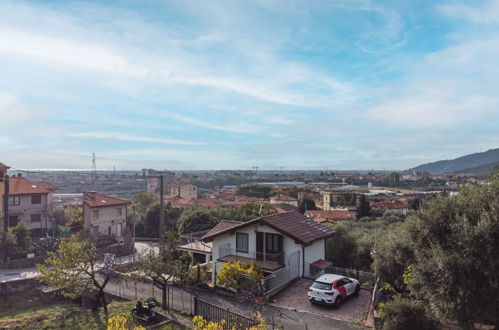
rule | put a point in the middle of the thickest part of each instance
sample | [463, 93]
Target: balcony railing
[257, 256]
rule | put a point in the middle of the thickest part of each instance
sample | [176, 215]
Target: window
[242, 241]
[273, 243]
[321, 285]
[36, 199]
[14, 200]
[119, 210]
[36, 217]
[95, 214]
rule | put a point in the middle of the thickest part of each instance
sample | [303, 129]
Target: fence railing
[260, 256]
[365, 278]
[216, 313]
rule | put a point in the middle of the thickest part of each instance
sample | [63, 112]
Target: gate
[216, 313]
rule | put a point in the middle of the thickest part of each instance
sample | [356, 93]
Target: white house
[286, 244]
[104, 215]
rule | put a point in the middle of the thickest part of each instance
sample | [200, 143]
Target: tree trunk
[102, 296]
[164, 303]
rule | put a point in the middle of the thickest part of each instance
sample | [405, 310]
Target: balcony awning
[321, 264]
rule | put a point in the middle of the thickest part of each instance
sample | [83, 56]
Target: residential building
[104, 215]
[284, 199]
[30, 204]
[397, 206]
[184, 190]
[331, 216]
[285, 243]
[3, 197]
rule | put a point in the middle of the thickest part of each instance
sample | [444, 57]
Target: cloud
[486, 12]
[127, 137]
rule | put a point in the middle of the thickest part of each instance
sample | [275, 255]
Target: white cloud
[487, 12]
[128, 137]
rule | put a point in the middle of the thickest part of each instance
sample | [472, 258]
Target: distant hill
[481, 162]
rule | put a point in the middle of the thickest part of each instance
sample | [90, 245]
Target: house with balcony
[104, 215]
[30, 203]
[285, 245]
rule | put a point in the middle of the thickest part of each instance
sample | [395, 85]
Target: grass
[28, 310]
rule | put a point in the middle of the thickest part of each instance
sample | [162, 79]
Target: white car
[332, 289]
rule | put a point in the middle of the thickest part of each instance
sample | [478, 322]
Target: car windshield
[322, 286]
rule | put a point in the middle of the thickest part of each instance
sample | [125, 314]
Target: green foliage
[7, 244]
[306, 204]
[196, 220]
[60, 216]
[249, 211]
[75, 216]
[74, 268]
[256, 190]
[21, 234]
[363, 209]
[404, 314]
[452, 246]
[236, 275]
[150, 225]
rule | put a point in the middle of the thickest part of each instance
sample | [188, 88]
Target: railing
[260, 256]
[216, 313]
[365, 278]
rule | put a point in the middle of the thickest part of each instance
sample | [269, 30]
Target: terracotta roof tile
[292, 224]
[332, 215]
[22, 186]
[93, 199]
[283, 198]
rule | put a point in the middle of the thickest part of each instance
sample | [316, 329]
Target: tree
[452, 248]
[306, 204]
[7, 245]
[75, 216]
[75, 268]
[21, 233]
[341, 247]
[167, 266]
[60, 216]
[151, 219]
[237, 275]
[405, 314]
[192, 221]
[363, 209]
[250, 210]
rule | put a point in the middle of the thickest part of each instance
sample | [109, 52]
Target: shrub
[404, 314]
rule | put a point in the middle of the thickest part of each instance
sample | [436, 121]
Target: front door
[259, 246]
[119, 229]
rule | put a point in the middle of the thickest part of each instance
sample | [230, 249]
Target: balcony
[264, 260]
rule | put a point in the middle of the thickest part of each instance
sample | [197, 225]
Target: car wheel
[356, 292]
[337, 302]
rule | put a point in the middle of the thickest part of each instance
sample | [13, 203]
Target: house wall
[25, 209]
[2, 207]
[312, 253]
[108, 218]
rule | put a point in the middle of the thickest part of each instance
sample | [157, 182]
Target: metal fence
[365, 278]
[216, 313]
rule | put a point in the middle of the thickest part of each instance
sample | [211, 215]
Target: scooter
[144, 313]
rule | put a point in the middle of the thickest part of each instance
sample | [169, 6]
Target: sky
[191, 85]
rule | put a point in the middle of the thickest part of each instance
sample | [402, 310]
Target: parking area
[295, 297]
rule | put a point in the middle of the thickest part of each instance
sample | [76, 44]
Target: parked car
[332, 289]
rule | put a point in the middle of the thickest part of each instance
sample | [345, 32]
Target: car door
[349, 285]
[340, 287]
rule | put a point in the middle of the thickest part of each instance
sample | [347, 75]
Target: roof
[180, 184]
[2, 165]
[197, 246]
[321, 264]
[221, 227]
[329, 278]
[333, 215]
[283, 208]
[292, 224]
[19, 185]
[93, 199]
[283, 198]
[390, 205]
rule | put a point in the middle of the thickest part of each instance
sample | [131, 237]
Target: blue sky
[232, 84]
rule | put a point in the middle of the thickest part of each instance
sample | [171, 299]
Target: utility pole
[161, 215]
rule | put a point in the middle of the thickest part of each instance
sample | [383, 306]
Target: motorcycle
[144, 313]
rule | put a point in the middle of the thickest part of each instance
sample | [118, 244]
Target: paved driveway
[295, 297]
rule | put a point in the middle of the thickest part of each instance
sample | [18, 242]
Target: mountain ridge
[482, 162]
